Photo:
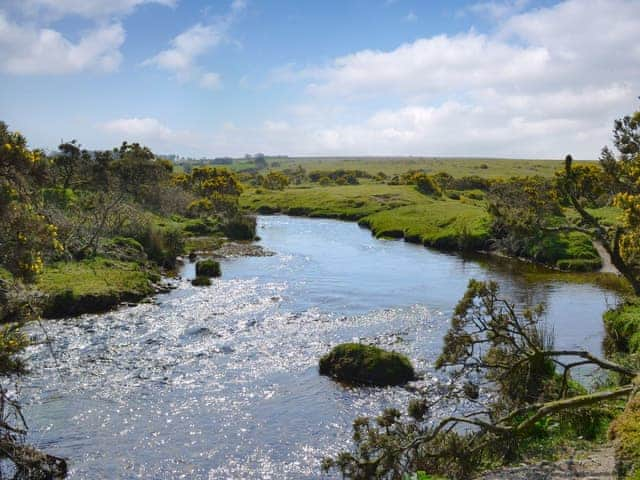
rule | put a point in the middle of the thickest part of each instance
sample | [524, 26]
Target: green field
[458, 167]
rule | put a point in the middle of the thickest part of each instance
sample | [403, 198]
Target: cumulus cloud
[153, 133]
[31, 47]
[32, 50]
[180, 58]
[544, 82]
[187, 46]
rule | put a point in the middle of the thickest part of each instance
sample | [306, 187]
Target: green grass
[458, 167]
[625, 431]
[5, 275]
[622, 326]
[93, 285]
[400, 211]
[440, 223]
[349, 202]
[572, 251]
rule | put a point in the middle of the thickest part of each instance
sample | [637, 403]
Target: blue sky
[516, 78]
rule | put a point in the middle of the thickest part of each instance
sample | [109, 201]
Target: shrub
[625, 432]
[366, 364]
[208, 268]
[427, 185]
[200, 226]
[240, 227]
[127, 242]
[201, 281]
[162, 245]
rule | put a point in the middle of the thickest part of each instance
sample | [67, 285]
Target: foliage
[208, 268]
[427, 185]
[240, 227]
[358, 363]
[25, 234]
[275, 181]
[509, 389]
[625, 432]
[622, 326]
[201, 281]
[622, 241]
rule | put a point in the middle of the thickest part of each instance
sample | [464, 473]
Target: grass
[458, 167]
[625, 431]
[444, 224]
[622, 326]
[5, 275]
[449, 222]
[397, 211]
[93, 285]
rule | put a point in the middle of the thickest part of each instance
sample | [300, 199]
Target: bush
[127, 242]
[625, 432]
[200, 226]
[201, 281]
[622, 327]
[162, 245]
[240, 227]
[366, 364]
[427, 185]
[208, 268]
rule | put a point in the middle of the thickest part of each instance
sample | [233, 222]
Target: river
[222, 381]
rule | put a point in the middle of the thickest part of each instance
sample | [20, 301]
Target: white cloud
[181, 58]
[547, 81]
[152, 133]
[32, 50]
[85, 8]
[432, 65]
[31, 47]
[187, 46]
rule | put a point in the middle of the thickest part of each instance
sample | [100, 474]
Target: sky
[499, 78]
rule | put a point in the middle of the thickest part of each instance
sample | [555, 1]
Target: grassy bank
[95, 285]
[455, 221]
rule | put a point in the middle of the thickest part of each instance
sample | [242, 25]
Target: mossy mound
[366, 364]
[625, 433]
[208, 268]
[93, 285]
[201, 281]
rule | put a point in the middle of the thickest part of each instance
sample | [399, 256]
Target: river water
[222, 381]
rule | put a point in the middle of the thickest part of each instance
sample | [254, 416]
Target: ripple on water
[222, 382]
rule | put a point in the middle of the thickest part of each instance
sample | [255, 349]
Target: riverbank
[457, 221]
[95, 285]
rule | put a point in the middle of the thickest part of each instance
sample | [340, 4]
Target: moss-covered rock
[201, 281]
[366, 364]
[208, 268]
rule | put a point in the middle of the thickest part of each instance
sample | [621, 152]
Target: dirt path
[596, 465]
[607, 266]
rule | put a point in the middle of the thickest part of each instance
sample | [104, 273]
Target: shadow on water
[222, 381]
